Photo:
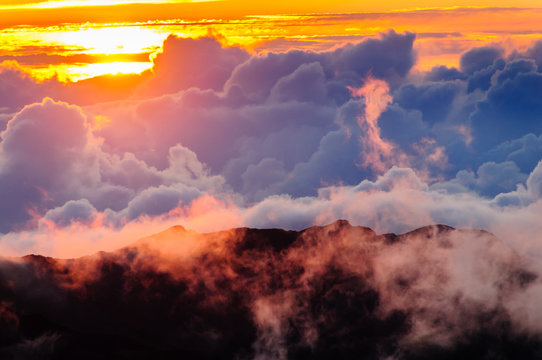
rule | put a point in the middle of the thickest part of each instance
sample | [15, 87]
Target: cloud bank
[214, 137]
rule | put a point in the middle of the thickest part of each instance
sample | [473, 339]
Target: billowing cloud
[278, 139]
[204, 63]
[510, 111]
[50, 159]
[478, 59]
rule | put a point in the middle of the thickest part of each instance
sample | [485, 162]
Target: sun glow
[86, 71]
[120, 39]
[73, 53]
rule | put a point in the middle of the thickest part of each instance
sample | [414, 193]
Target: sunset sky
[121, 118]
[83, 38]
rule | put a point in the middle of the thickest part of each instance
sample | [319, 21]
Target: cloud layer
[214, 137]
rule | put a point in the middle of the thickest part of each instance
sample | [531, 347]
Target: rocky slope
[337, 291]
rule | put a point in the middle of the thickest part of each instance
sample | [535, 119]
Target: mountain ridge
[333, 290]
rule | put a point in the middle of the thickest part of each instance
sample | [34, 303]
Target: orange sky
[81, 41]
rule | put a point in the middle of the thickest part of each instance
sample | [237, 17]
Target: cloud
[186, 62]
[306, 83]
[510, 111]
[433, 99]
[377, 153]
[18, 88]
[275, 140]
[174, 69]
[51, 160]
[80, 211]
[443, 73]
[46, 157]
[534, 52]
[157, 201]
[478, 59]
[265, 100]
[390, 58]
[513, 68]
[257, 178]
[490, 179]
[398, 201]
[534, 182]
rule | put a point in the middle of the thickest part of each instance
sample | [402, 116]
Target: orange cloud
[378, 153]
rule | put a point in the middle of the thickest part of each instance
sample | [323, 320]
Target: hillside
[337, 291]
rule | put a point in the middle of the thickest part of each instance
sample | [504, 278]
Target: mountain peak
[232, 294]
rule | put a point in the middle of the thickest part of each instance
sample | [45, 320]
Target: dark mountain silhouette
[335, 291]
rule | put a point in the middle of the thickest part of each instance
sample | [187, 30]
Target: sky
[119, 119]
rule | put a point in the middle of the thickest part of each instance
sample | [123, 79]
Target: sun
[91, 50]
[77, 73]
[111, 39]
